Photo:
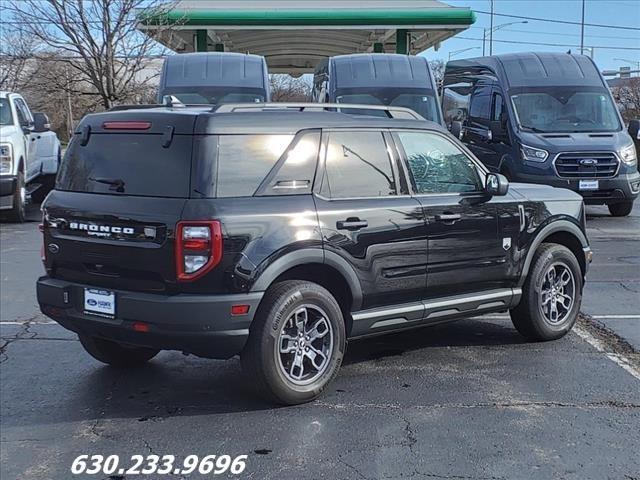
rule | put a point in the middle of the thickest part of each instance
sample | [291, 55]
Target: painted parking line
[620, 360]
[596, 317]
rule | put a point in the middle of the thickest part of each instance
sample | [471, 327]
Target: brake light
[126, 125]
[198, 248]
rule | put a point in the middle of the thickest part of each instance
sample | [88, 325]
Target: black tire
[528, 316]
[262, 361]
[114, 354]
[620, 209]
[47, 183]
[18, 212]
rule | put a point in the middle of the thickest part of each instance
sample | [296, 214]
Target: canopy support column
[201, 41]
[402, 43]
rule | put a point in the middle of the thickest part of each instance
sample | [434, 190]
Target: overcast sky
[608, 12]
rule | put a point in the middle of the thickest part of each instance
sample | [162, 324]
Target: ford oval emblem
[53, 248]
[588, 162]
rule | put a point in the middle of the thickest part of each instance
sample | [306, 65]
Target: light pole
[455, 52]
[582, 32]
[494, 29]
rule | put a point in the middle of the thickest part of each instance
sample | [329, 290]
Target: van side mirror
[456, 129]
[41, 122]
[634, 128]
[496, 185]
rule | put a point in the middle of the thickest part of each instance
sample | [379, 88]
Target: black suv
[278, 233]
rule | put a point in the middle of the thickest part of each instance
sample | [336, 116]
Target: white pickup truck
[29, 150]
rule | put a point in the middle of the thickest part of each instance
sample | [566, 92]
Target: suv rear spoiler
[392, 112]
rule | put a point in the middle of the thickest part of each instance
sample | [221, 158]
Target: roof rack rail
[392, 112]
[144, 106]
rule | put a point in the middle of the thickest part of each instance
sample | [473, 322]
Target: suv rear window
[127, 164]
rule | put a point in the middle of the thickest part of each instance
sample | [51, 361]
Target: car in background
[634, 133]
[378, 79]
[546, 118]
[29, 151]
[212, 78]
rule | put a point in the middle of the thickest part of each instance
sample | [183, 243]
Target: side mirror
[41, 122]
[634, 129]
[497, 185]
[497, 130]
[456, 129]
[27, 128]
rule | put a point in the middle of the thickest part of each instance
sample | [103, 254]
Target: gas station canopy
[294, 35]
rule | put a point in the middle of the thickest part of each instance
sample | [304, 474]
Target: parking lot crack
[24, 333]
[351, 467]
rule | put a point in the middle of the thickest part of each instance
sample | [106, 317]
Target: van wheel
[620, 209]
[551, 295]
[296, 343]
[18, 212]
[114, 354]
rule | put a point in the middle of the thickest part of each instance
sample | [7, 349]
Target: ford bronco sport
[279, 232]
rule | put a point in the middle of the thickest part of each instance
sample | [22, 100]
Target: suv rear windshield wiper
[116, 184]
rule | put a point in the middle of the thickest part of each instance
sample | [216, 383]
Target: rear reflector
[126, 125]
[239, 309]
[198, 248]
[141, 327]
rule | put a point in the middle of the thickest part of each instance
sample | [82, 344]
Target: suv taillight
[198, 248]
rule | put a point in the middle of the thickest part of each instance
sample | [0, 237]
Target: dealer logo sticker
[506, 243]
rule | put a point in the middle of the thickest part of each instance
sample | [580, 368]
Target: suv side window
[357, 165]
[437, 165]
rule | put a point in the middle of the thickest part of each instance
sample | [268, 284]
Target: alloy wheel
[305, 345]
[557, 294]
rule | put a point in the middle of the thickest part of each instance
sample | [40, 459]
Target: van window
[127, 164]
[437, 165]
[420, 100]
[480, 104]
[565, 109]
[497, 107]
[357, 165]
[455, 102]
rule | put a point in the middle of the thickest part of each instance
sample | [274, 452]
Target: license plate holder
[100, 302]
[588, 185]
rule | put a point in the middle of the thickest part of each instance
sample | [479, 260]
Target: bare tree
[97, 40]
[627, 95]
[437, 67]
[16, 49]
[285, 88]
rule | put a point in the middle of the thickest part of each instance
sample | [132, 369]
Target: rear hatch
[120, 192]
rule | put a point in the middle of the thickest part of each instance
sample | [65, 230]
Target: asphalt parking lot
[466, 400]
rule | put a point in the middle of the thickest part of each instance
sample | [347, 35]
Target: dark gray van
[544, 118]
[378, 79]
[214, 77]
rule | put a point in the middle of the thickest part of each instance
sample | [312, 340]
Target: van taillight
[198, 248]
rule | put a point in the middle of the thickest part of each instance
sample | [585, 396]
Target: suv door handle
[448, 217]
[351, 223]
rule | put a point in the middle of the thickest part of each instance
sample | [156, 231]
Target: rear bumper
[197, 324]
[622, 188]
[7, 189]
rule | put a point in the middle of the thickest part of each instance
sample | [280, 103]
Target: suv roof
[272, 121]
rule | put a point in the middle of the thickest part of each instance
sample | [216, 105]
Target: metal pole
[484, 39]
[582, 31]
[491, 32]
